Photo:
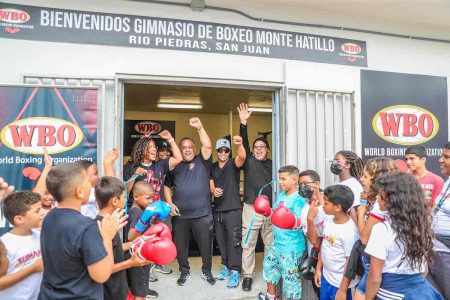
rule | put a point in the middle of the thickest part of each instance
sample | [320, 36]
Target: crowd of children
[367, 237]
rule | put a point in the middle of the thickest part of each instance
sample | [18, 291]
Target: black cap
[162, 144]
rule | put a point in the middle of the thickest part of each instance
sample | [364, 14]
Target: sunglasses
[223, 150]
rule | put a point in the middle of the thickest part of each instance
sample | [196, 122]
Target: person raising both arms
[257, 174]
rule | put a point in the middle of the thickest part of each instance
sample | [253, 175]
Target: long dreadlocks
[356, 163]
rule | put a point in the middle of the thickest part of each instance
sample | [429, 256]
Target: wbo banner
[133, 130]
[63, 120]
[400, 110]
[84, 27]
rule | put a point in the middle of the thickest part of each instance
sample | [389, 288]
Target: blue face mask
[362, 201]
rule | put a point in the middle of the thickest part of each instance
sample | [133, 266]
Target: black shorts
[138, 280]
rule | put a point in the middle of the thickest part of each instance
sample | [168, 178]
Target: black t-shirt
[226, 178]
[116, 287]
[156, 172]
[70, 242]
[190, 183]
[256, 173]
[134, 214]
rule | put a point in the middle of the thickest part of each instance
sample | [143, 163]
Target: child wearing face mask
[309, 188]
[349, 167]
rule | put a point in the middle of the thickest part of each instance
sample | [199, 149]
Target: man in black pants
[227, 208]
[257, 173]
[191, 204]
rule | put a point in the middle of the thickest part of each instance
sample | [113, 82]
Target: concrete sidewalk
[198, 289]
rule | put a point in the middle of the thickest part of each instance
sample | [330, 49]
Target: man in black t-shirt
[257, 174]
[224, 185]
[191, 204]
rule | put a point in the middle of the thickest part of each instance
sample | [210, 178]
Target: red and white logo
[12, 15]
[150, 127]
[351, 48]
[30, 135]
[405, 124]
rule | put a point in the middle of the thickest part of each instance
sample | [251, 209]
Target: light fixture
[178, 105]
[260, 109]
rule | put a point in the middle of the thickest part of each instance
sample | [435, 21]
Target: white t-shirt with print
[383, 244]
[318, 222]
[22, 251]
[356, 188]
[441, 220]
[337, 244]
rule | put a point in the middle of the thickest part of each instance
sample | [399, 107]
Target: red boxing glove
[160, 229]
[160, 251]
[283, 218]
[262, 206]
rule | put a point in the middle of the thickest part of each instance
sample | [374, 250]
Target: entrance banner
[400, 110]
[63, 120]
[86, 27]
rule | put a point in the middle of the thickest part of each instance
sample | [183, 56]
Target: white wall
[384, 53]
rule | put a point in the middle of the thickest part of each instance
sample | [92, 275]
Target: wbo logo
[405, 125]
[12, 15]
[351, 48]
[30, 135]
[150, 127]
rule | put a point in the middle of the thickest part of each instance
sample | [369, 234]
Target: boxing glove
[283, 218]
[159, 209]
[160, 229]
[262, 206]
[305, 269]
[161, 251]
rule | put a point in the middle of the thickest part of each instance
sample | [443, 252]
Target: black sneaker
[183, 278]
[209, 278]
[152, 294]
[247, 284]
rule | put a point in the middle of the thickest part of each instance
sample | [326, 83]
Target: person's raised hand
[313, 210]
[5, 189]
[47, 159]
[237, 140]
[165, 134]
[196, 123]
[111, 156]
[244, 113]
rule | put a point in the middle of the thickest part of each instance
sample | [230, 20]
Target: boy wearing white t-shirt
[339, 235]
[20, 252]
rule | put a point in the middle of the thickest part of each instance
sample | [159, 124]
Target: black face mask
[335, 169]
[305, 191]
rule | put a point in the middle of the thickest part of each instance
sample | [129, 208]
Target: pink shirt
[432, 186]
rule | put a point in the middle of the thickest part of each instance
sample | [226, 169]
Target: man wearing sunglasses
[257, 175]
[224, 185]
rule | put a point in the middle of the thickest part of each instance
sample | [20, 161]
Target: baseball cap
[163, 144]
[223, 143]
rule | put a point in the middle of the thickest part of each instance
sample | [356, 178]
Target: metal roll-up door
[318, 124]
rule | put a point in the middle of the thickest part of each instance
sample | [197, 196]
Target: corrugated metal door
[318, 124]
